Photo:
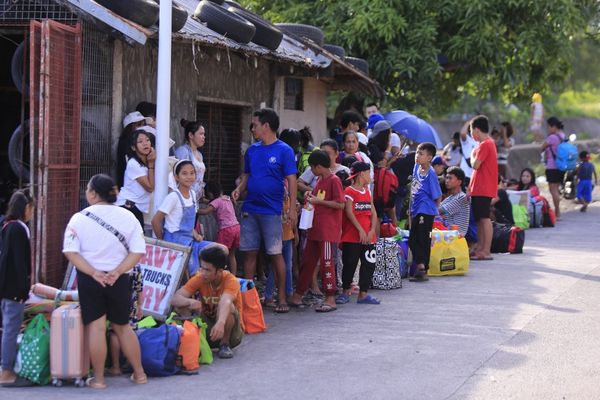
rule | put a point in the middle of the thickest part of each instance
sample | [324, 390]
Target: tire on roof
[359, 63]
[267, 34]
[231, 3]
[179, 17]
[142, 12]
[304, 31]
[228, 24]
[334, 49]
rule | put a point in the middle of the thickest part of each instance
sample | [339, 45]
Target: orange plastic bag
[252, 313]
[189, 348]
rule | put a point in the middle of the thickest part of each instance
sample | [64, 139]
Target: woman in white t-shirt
[175, 219]
[104, 243]
[139, 177]
[194, 137]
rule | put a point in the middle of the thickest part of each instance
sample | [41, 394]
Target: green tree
[428, 53]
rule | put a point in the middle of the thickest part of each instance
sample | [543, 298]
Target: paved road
[519, 327]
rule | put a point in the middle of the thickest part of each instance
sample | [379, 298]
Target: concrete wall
[588, 128]
[209, 75]
[529, 155]
[314, 114]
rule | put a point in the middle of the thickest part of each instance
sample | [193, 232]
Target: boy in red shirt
[328, 199]
[358, 235]
[483, 186]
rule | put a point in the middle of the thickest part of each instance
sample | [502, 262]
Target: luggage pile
[54, 350]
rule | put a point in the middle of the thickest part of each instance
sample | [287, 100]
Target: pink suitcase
[69, 353]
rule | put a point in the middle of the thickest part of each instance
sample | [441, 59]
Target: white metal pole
[163, 104]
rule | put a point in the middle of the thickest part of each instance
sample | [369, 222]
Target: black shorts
[113, 301]
[481, 207]
[554, 175]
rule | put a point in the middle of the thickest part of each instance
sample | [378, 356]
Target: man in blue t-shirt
[267, 165]
[425, 197]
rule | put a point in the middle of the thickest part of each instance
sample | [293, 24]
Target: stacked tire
[233, 21]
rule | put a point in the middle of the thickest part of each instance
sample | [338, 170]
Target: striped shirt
[455, 210]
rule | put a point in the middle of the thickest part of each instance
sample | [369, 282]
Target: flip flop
[91, 382]
[139, 381]
[325, 308]
[368, 300]
[480, 258]
[282, 308]
[342, 299]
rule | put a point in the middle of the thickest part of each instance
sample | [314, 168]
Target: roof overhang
[332, 69]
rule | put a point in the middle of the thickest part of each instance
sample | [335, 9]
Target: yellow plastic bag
[449, 255]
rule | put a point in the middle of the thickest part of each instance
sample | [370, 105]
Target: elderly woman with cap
[131, 122]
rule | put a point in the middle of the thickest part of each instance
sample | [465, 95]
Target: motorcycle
[568, 187]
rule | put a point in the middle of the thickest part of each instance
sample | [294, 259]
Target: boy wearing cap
[425, 197]
[328, 200]
[358, 235]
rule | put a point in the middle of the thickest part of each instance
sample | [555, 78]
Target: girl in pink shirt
[229, 227]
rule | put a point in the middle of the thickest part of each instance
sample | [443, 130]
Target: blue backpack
[159, 350]
[566, 156]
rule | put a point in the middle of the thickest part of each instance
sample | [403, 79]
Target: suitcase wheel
[56, 382]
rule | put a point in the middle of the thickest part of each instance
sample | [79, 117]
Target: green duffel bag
[521, 216]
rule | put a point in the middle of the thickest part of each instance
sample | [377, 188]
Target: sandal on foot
[324, 308]
[282, 308]
[138, 381]
[342, 299]
[368, 300]
[91, 382]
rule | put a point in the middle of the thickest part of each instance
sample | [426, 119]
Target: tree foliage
[427, 53]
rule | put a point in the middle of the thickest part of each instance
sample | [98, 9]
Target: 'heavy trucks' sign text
[162, 267]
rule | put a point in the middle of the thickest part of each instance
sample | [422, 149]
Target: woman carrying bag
[104, 242]
[15, 277]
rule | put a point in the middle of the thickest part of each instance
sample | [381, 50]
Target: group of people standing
[282, 174]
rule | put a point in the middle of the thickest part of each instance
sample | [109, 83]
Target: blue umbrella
[413, 127]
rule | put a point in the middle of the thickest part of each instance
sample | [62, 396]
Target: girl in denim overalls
[178, 212]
